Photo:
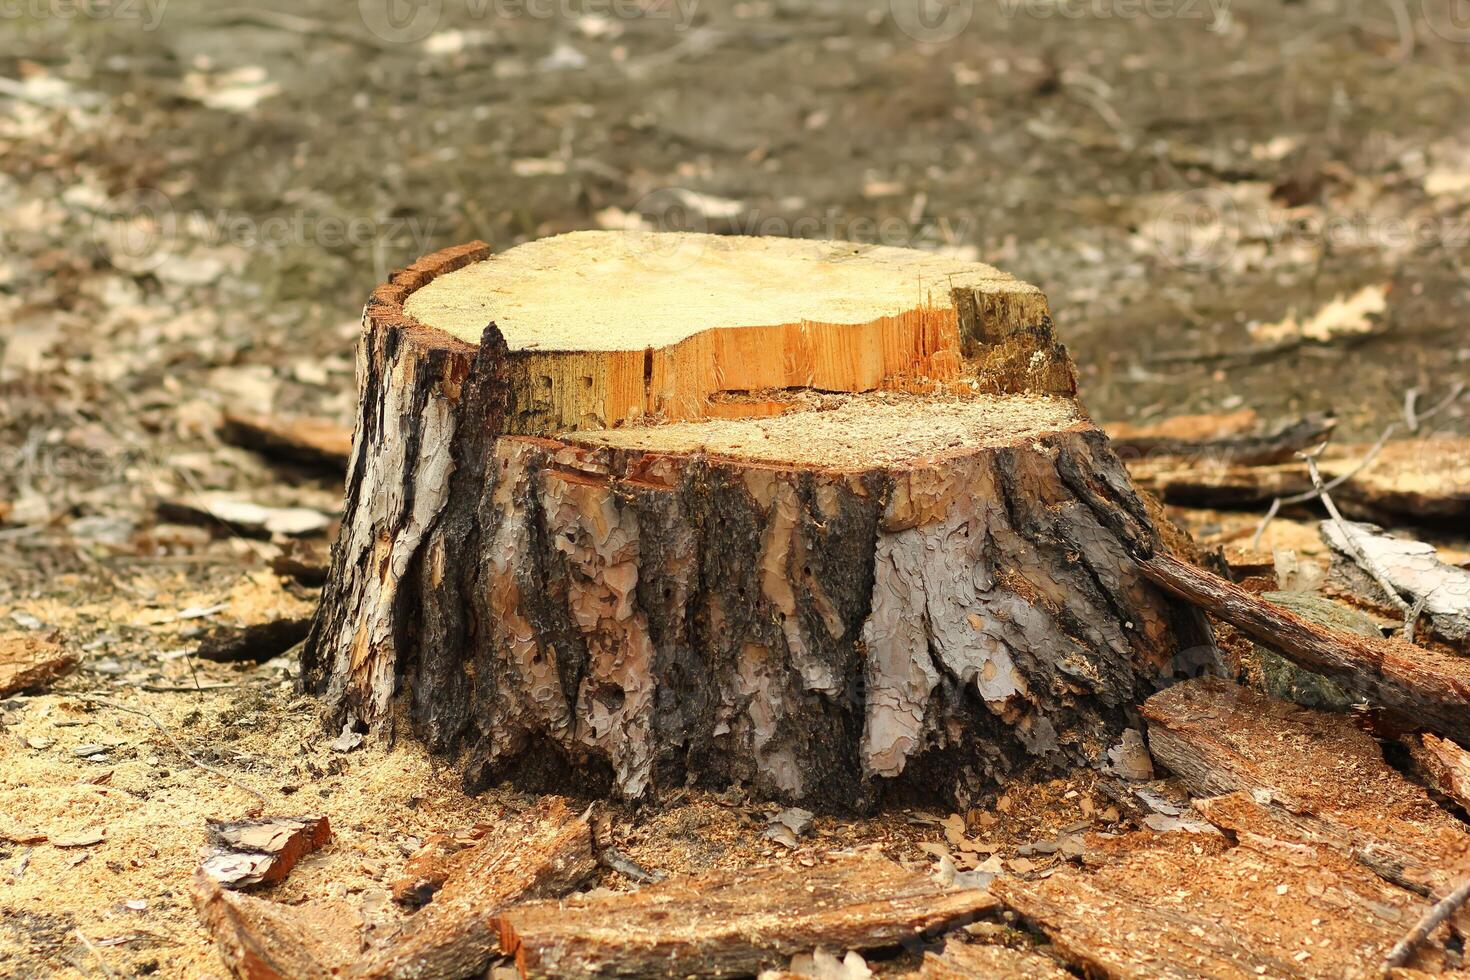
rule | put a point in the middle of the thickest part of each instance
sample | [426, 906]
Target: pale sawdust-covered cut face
[609, 291]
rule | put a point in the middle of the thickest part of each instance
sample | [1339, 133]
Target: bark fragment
[733, 924]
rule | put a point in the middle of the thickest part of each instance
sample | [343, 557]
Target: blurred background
[1231, 203]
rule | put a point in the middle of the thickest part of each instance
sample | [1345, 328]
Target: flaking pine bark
[630, 513]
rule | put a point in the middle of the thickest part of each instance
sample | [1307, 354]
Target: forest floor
[196, 199]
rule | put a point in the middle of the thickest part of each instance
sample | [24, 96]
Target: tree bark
[925, 582]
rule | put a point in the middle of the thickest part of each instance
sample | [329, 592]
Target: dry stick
[1456, 390]
[107, 702]
[1411, 417]
[95, 952]
[1310, 495]
[1431, 919]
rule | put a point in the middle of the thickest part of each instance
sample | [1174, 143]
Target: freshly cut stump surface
[813, 518]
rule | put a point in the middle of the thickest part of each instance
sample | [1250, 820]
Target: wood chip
[1444, 765]
[254, 852]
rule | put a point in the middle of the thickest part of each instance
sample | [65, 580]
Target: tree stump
[627, 513]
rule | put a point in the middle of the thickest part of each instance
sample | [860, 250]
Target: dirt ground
[197, 197]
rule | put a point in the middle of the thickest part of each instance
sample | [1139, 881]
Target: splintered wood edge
[385, 306]
[608, 388]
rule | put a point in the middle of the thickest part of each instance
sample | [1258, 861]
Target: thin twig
[1411, 400]
[109, 703]
[1307, 496]
[96, 953]
[1431, 920]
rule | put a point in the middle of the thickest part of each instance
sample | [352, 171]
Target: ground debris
[1412, 568]
[264, 940]
[543, 855]
[1310, 776]
[254, 852]
[961, 961]
[1423, 688]
[1182, 906]
[733, 923]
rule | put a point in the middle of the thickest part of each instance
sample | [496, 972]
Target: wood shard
[28, 661]
[1426, 688]
[733, 923]
[545, 855]
[441, 856]
[254, 852]
[264, 940]
[1314, 776]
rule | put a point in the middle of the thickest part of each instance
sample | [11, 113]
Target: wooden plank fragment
[28, 661]
[315, 442]
[546, 856]
[733, 923]
[1320, 779]
[1420, 479]
[263, 940]
[1427, 688]
[1180, 907]
[1192, 438]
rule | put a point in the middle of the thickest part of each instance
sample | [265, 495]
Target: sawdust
[859, 432]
